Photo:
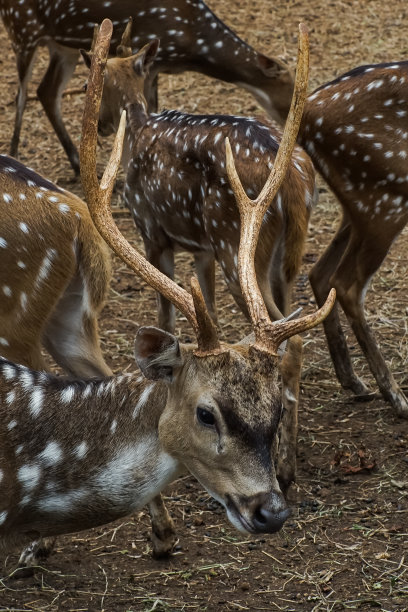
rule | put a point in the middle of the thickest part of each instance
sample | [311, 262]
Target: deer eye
[85, 86]
[205, 417]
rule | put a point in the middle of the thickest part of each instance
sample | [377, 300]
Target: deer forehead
[243, 385]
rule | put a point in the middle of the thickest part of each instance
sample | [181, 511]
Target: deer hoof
[163, 542]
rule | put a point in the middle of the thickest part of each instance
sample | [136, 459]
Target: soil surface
[345, 546]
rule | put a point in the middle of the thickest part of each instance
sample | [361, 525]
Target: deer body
[77, 454]
[192, 38]
[178, 192]
[355, 129]
[54, 274]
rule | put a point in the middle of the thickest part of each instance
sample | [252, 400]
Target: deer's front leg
[34, 554]
[163, 532]
[290, 371]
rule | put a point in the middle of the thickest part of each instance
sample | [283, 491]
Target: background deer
[192, 38]
[78, 454]
[54, 274]
[355, 129]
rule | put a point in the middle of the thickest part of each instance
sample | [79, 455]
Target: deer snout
[261, 513]
[269, 512]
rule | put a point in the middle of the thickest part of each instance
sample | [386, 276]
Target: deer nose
[267, 521]
[269, 512]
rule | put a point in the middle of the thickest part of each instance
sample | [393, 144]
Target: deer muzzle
[261, 513]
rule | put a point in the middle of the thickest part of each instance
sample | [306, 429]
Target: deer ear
[145, 57]
[87, 57]
[157, 353]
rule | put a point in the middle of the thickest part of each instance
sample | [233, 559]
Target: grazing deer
[54, 274]
[355, 129]
[192, 38]
[77, 454]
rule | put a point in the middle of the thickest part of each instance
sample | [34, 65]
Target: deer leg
[163, 534]
[205, 268]
[71, 334]
[321, 279]
[34, 554]
[163, 259]
[363, 257]
[24, 67]
[290, 371]
[60, 69]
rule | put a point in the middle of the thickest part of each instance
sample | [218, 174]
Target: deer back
[355, 129]
[178, 191]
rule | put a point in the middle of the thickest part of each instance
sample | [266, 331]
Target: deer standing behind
[355, 129]
[76, 454]
[54, 274]
[177, 188]
[192, 38]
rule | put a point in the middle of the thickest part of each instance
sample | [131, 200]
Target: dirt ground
[345, 546]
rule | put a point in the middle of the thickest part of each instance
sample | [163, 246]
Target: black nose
[265, 520]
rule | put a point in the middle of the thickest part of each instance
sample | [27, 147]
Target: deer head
[223, 401]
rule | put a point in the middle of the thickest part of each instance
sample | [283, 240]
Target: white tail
[355, 129]
[67, 474]
[54, 274]
[192, 38]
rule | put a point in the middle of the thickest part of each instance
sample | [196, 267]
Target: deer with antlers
[355, 129]
[192, 38]
[76, 454]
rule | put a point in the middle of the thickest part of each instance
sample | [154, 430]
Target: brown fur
[355, 129]
[52, 258]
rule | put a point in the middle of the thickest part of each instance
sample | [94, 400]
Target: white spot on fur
[144, 396]
[29, 476]
[51, 454]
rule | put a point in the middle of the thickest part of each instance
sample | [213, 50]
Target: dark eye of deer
[205, 417]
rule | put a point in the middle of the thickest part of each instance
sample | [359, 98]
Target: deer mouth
[240, 522]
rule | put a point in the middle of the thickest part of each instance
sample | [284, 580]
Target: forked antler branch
[99, 197]
[269, 335]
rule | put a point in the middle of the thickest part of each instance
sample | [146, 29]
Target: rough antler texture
[269, 335]
[98, 198]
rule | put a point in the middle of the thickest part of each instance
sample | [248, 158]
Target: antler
[125, 47]
[99, 197]
[269, 335]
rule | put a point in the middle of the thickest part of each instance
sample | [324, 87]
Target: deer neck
[136, 118]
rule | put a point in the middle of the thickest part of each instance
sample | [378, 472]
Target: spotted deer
[54, 274]
[77, 454]
[355, 129]
[192, 38]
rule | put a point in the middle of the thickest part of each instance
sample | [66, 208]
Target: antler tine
[99, 197]
[124, 49]
[269, 335]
